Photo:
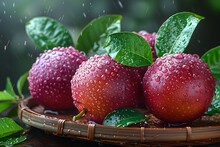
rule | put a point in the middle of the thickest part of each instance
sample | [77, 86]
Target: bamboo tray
[205, 131]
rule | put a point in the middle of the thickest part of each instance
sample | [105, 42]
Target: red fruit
[178, 87]
[50, 76]
[102, 85]
[150, 38]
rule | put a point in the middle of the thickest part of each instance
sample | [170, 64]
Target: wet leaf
[8, 126]
[174, 34]
[214, 108]
[5, 96]
[5, 105]
[212, 58]
[129, 49]
[9, 88]
[6, 100]
[12, 111]
[12, 140]
[93, 36]
[47, 33]
[21, 82]
[123, 117]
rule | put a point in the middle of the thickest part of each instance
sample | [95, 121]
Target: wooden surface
[39, 138]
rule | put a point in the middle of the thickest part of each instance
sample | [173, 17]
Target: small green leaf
[20, 83]
[5, 105]
[9, 88]
[8, 127]
[174, 34]
[93, 36]
[214, 108]
[47, 33]
[12, 140]
[212, 58]
[129, 49]
[5, 96]
[123, 117]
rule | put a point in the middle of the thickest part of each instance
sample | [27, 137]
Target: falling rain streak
[84, 14]
[120, 4]
[5, 47]
[61, 18]
[3, 3]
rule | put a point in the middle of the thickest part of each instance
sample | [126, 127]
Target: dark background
[17, 52]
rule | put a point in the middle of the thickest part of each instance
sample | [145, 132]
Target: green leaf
[20, 83]
[9, 88]
[123, 117]
[214, 108]
[6, 100]
[5, 96]
[10, 141]
[8, 127]
[5, 105]
[212, 58]
[93, 36]
[129, 49]
[47, 33]
[174, 34]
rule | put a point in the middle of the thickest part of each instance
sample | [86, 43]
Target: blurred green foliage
[17, 52]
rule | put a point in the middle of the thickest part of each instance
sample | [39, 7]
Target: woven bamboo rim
[139, 136]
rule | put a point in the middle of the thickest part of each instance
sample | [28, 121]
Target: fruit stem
[80, 114]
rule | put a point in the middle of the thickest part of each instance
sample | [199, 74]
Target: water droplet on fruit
[159, 63]
[172, 68]
[196, 56]
[178, 56]
[107, 71]
[58, 58]
[157, 79]
[87, 85]
[164, 71]
[112, 73]
[100, 66]
[115, 69]
[59, 79]
[103, 77]
[186, 67]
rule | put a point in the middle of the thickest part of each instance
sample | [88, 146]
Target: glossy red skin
[50, 76]
[178, 88]
[102, 85]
